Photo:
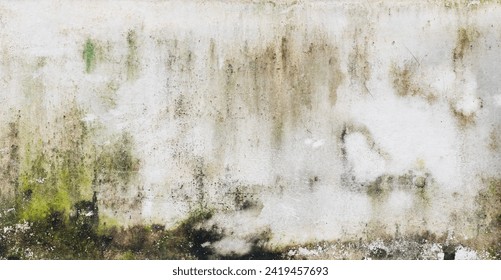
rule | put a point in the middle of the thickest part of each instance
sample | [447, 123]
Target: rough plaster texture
[326, 129]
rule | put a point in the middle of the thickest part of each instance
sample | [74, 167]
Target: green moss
[129, 255]
[106, 223]
[55, 182]
[51, 185]
[52, 178]
[89, 55]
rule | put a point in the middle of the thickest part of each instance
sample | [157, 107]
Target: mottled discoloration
[8, 176]
[108, 94]
[489, 215]
[406, 82]
[277, 82]
[463, 119]
[53, 180]
[132, 60]
[466, 37]
[262, 131]
[494, 140]
[359, 66]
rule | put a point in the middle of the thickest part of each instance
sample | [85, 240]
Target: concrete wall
[294, 122]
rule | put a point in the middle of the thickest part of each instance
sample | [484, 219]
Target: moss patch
[89, 55]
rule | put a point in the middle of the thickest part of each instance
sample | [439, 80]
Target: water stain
[132, 59]
[108, 94]
[463, 119]
[466, 36]
[351, 128]
[359, 66]
[280, 82]
[489, 218]
[406, 82]
[8, 176]
[494, 141]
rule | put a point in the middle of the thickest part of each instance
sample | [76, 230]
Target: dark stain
[342, 137]
[259, 250]
[199, 182]
[378, 253]
[243, 201]
[181, 108]
[381, 186]
[312, 181]
[11, 171]
[449, 252]
[349, 128]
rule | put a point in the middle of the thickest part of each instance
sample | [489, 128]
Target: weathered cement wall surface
[317, 129]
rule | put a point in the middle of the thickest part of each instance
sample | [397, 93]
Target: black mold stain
[199, 182]
[258, 252]
[449, 252]
[243, 201]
